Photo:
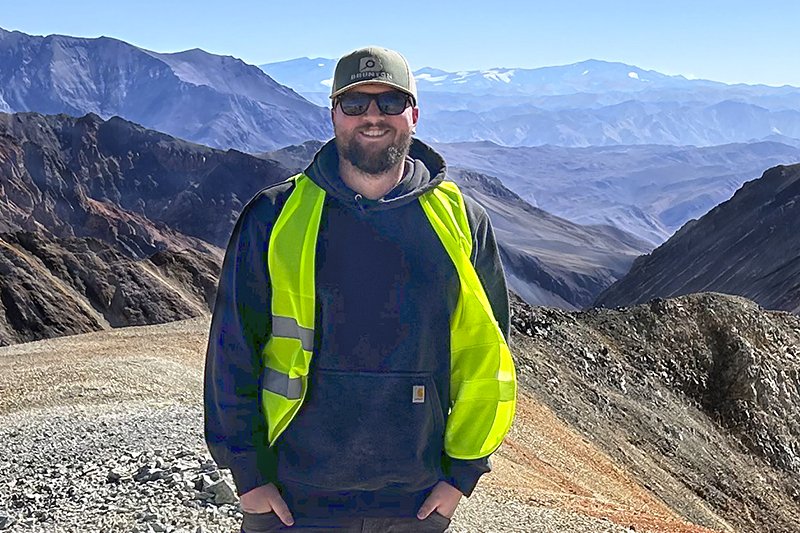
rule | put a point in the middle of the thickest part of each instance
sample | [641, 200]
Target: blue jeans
[268, 522]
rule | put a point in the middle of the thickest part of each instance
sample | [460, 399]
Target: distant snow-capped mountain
[314, 76]
[591, 103]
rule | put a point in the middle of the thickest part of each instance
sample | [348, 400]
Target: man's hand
[266, 499]
[443, 499]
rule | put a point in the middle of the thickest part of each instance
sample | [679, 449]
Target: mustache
[377, 124]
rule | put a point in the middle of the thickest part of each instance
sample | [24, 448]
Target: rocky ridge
[697, 396]
[138, 189]
[144, 192]
[749, 245]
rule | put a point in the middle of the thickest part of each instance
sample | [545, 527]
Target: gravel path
[84, 469]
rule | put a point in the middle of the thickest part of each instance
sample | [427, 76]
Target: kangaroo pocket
[365, 431]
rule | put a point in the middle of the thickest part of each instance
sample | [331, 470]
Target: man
[357, 375]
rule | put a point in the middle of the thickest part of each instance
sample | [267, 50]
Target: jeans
[268, 522]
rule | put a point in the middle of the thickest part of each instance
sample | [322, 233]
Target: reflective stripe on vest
[482, 376]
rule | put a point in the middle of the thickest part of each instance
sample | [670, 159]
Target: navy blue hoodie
[385, 289]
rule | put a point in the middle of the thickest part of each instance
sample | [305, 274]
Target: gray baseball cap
[373, 64]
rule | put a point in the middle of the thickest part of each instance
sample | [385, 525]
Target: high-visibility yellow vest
[482, 376]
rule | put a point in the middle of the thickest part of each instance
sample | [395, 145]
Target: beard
[374, 161]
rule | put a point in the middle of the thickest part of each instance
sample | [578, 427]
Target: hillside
[649, 191]
[52, 287]
[749, 245]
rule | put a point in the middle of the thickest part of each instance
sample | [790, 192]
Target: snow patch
[328, 82]
[633, 75]
[320, 64]
[585, 72]
[428, 77]
[496, 75]
[776, 130]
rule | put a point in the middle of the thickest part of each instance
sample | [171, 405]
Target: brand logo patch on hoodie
[418, 394]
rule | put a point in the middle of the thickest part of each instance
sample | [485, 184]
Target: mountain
[307, 75]
[142, 192]
[553, 262]
[649, 191]
[105, 224]
[215, 100]
[138, 189]
[590, 103]
[52, 286]
[749, 245]
[310, 77]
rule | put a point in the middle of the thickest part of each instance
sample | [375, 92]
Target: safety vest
[482, 376]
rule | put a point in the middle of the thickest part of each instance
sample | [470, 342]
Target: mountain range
[104, 217]
[214, 100]
[648, 190]
[590, 103]
[748, 245]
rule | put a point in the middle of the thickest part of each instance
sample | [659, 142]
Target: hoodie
[385, 288]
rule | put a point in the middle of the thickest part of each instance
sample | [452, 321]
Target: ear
[414, 115]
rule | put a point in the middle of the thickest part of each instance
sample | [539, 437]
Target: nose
[373, 110]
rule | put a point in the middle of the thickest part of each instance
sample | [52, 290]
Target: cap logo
[370, 64]
[370, 67]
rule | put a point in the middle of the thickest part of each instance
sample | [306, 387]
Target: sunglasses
[389, 103]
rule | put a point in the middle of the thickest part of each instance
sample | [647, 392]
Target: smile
[374, 133]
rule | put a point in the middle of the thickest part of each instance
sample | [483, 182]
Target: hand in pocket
[267, 499]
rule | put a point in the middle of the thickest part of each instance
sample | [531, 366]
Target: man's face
[374, 142]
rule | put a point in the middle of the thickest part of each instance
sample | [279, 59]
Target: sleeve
[464, 474]
[235, 430]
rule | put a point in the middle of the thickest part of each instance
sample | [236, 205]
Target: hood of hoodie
[424, 170]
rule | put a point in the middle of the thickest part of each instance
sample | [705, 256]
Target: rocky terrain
[679, 416]
[218, 101]
[51, 286]
[698, 397]
[749, 245]
[140, 190]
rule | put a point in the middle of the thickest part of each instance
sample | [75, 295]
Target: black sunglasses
[389, 103]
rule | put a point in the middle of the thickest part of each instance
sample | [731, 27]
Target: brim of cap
[374, 82]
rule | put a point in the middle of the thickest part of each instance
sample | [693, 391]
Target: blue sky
[731, 41]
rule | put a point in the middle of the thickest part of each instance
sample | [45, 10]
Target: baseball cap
[373, 64]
